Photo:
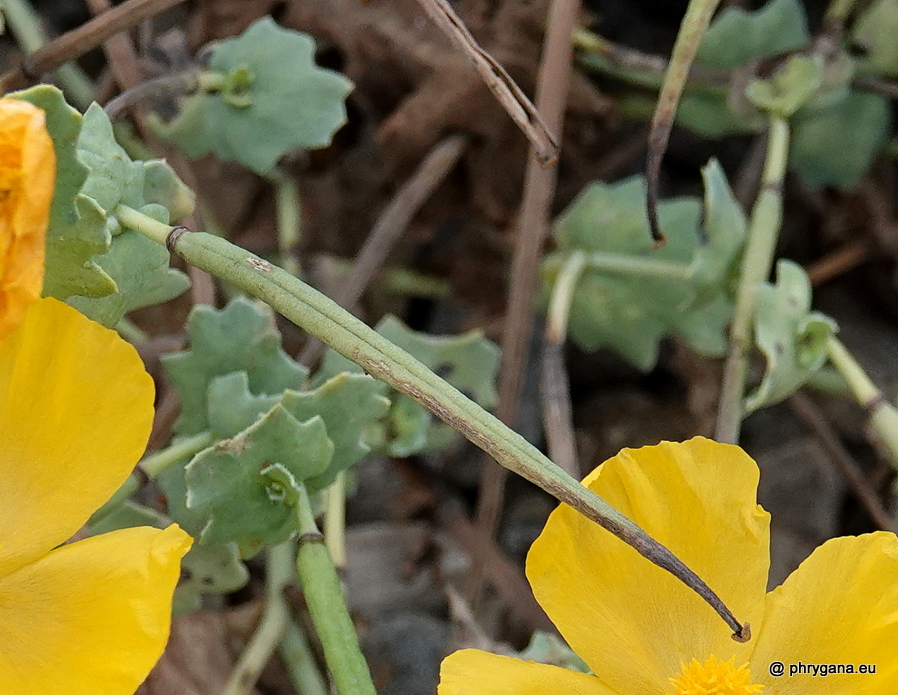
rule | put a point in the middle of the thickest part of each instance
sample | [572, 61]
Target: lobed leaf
[835, 146]
[737, 36]
[243, 486]
[143, 276]
[349, 405]
[269, 98]
[240, 337]
[631, 312]
[792, 338]
[77, 229]
[208, 568]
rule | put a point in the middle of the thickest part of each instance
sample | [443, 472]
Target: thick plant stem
[275, 617]
[883, 415]
[763, 229]
[341, 331]
[327, 607]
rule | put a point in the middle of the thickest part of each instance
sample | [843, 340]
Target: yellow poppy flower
[642, 632]
[76, 407]
[27, 177]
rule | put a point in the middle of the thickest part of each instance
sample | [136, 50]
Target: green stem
[640, 266]
[883, 415]
[563, 294]
[413, 284]
[340, 330]
[614, 263]
[597, 54]
[152, 467]
[327, 607]
[131, 332]
[763, 230]
[394, 279]
[271, 628]
[335, 520]
[26, 26]
[288, 214]
[154, 464]
[300, 662]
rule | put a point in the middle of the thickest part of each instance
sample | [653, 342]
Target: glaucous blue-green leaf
[875, 30]
[632, 295]
[710, 115]
[349, 404]
[737, 36]
[208, 569]
[232, 407]
[245, 487]
[174, 487]
[127, 515]
[109, 273]
[469, 362]
[141, 272]
[716, 258]
[409, 424]
[240, 337]
[835, 145]
[791, 336]
[261, 97]
[72, 249]
[77, 228]
[113, 179]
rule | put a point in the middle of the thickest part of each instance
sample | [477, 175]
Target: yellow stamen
[714, 678]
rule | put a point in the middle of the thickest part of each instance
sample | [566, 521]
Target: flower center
[714, 678]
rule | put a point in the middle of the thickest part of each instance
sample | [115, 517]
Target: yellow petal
[473, 672]
[76, 407]
[91, 617]
[633, 623]
[839, 607]
[27, 177]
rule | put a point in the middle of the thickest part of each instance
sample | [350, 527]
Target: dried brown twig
[810, 414]
[78, 41]
[532, 229]
[527, 117]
